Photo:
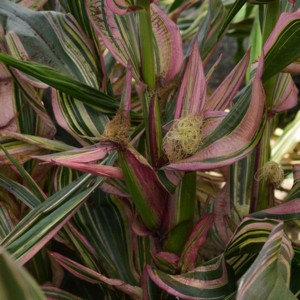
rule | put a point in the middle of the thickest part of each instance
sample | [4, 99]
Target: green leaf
[65, 84]
[26, 176]
[45, 220]
[109, 235]
[16, 282]
[19, 191]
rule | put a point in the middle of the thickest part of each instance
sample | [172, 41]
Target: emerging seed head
[271, 172]
[184, 138]
[118, 128]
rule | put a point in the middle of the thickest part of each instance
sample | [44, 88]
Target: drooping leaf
[92, 276]
[19, 191]
[37, 191]
[64, 83]
[45, 220]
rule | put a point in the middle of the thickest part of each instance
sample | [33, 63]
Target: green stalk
[263, 195]
[146, 43]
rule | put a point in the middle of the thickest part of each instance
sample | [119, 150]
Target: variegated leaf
[269, 275]
[235, 136]
[213, 280]
[146, 191]
[92, 276]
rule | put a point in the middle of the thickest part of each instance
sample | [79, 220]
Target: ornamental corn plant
[124, 175]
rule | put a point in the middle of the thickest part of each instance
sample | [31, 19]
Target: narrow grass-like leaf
[44, 221]
[16, 282]
[92, 276]
[64, 83]
[41, 142]
[234, 9]
[109, 235]
[26, 176]
[19, 150]
[19, 191]
[211, 28]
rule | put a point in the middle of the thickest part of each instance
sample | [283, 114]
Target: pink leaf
[192, 93]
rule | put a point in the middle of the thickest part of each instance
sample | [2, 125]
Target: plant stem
[263, 194]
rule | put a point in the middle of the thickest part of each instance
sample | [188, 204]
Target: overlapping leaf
[50, 216]
[213, 280]
[148, 194]
[119, 34]
[269, 275]
[235, 136]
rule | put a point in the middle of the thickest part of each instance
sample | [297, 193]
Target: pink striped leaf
[8, 113]
[284, 39]
[269, 276]
[213, 280]
[92, 276]
[147, 192]
[235, 136]
[192, 94]
[294, 193]
[80, 160]
[167, 45]
[223, 95]
[196, 239]
[285, 93]
[120, 38]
